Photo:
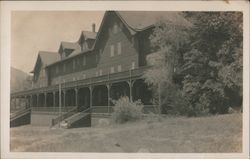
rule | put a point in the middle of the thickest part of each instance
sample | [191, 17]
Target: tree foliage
[204, 60]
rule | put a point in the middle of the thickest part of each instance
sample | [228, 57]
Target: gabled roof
[47, 58]
[135, 21]
[69, 45]
[88, 35]
[139, 20]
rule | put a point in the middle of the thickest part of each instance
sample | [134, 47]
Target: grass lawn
[222, 133]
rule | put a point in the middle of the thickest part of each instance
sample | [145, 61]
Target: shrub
[173, 101]
[126, 110]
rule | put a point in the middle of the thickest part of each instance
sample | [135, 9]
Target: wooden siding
[109, 37]
[98, 61]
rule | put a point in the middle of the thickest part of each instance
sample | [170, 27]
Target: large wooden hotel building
[89, 73]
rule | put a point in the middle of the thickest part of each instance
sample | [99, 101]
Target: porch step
[19, 118]
[80, 119]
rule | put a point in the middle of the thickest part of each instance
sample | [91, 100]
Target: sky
[34, 31]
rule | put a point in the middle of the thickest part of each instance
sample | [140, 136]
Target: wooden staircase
[73, 119]
[21, 117]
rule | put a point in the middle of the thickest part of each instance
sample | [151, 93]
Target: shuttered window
[119, 48]
[119, 68]
[112, 49]
[112, 70]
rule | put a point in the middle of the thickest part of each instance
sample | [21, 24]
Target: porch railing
[110, 109]
[64, 116]
[19, 113]
[52, 109]
[112, 77]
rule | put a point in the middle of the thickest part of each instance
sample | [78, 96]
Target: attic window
[115, 28]
[121, 25]
[112, 48]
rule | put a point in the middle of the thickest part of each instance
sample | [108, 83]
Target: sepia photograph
[126, 81]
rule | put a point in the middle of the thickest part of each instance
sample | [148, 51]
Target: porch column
[159, 92]
[45, 99]
[90, 96]
[64, 98]
[130, 86]
[108, 87]
[15, 103]
[130, 90]
[26, 102]
[37, 101]
[76, 96]
[54, 99]
[31, 101]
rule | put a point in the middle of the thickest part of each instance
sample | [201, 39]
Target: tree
[213, 66]
[201, 64]
[168, 38]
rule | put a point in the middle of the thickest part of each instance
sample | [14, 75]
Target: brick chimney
[93, 27]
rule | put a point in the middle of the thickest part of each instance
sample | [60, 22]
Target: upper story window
[100, 72]
[133, 65]
[63, 54]
[119, 48]
[64, 67]
[84, 76]
[112, 49]
[83, 61]
[97, 57]
[57, 69]
[74, 64]
[112, 69]
[96, 73]
[115, 29]
[119, 68]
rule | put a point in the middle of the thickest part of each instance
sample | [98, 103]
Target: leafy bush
[126, 110]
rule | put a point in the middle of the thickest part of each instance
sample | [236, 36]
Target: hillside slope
[220, 133]
[19, 80]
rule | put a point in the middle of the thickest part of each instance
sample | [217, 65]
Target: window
[119, 68]
[96, 57]
[119, 48]
[74, 78]
[112, 70]
[64, 67]
[115, 28]
[112, 50]
[83, 61]
[133, 65]
[74, 64]
[100, 72]
[96, 73]
[57, 69]
[84, 76]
